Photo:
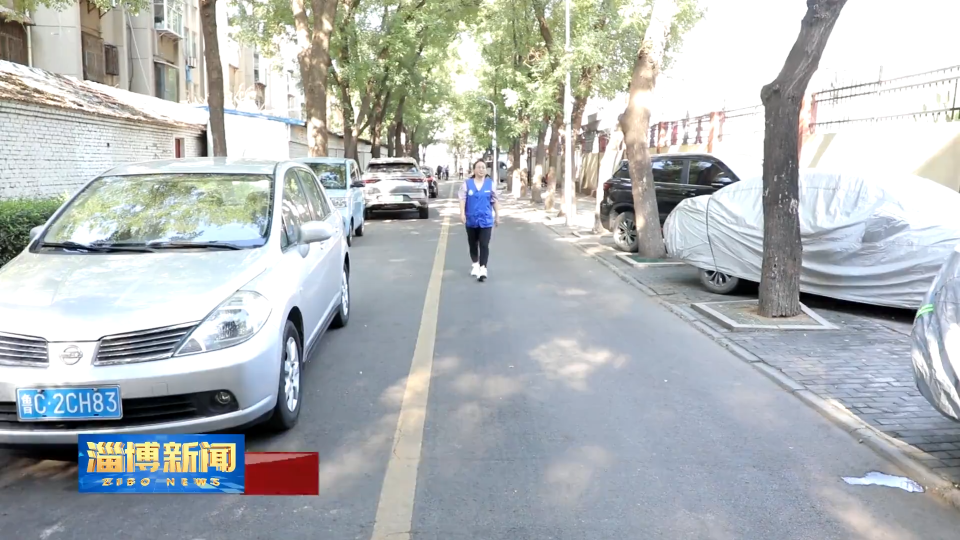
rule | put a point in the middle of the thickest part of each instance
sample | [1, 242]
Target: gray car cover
[870, 237]
[936, 341]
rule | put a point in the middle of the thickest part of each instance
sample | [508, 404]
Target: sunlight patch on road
[566, 361]
[491, 388]
[355, 457]
[567, 480]
[857, 518]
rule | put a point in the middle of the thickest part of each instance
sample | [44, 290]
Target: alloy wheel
[291, 374]
[345, 292]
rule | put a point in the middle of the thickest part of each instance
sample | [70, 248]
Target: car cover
[936, 341]
[876, 238]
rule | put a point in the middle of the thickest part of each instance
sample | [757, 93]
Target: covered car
[936, 341]
[875, 238]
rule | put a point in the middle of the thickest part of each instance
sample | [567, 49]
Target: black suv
[676, 177]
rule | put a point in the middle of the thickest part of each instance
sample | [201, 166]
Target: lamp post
[496, 153]
[571, 209]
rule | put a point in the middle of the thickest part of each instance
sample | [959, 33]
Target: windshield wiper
[158, 244]
[99, 248]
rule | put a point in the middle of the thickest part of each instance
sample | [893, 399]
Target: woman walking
[480, 212]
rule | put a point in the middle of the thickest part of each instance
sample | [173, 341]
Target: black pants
[479, 239]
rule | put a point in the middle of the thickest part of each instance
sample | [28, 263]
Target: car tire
[359, 230]
[424, 213]
[343, 311]
[718, 282]
[289, 395]
[350, 234]
[625, 232]
[367, 213]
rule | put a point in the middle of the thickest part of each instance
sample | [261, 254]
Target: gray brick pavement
[863, 366]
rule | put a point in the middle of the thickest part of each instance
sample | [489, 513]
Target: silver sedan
[177, 296]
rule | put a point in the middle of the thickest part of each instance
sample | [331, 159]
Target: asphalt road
[551, 402]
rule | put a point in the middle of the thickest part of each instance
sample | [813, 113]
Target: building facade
[158, 52]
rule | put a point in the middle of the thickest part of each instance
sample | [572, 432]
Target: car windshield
[331, 175]
[388, 168]
[196, 208]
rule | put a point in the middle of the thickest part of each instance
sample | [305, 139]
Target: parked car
[340, 178]
[431, 181]
[396, 184]
[935, 351]
[676, 177]
[871, 237]
[176, 296]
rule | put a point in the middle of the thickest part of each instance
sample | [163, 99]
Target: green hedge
[17, 217]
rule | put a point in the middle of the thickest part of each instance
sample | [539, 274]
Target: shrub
[17, 217]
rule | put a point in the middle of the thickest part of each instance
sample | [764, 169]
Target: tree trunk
[314, 60]
[553, 167]
[782, 99]
[408, 145]
[375, 144]
[538, 170]
[608, 165]
[214, 68]
[392, 140]
[576, 119]
[635, 123]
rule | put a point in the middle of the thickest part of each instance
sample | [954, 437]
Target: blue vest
[480, 204]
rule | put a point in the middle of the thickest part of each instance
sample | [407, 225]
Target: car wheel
[343, 315]
[718, 282]
[350, 234]
[359, 230]
[625, 232]
[287, 411]
[424, 213]
[367, 213]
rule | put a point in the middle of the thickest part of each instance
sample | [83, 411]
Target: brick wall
[49, 151]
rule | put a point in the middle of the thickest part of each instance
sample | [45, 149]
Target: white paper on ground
[880, 479]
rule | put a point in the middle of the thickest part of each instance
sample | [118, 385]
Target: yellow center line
[395, 509]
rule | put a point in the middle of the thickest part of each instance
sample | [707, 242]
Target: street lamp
[496, 153]
[568, 199]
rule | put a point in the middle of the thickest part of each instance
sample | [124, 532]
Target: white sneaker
[475, 272]
[482, 276]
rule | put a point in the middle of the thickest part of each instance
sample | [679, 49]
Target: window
[181, 207]
[314, 195]
[295, 209]
[623, 172]
[668, 171]
[168, 16]
[167, 81]
[705, 173]
[331, 175]
[111, 56]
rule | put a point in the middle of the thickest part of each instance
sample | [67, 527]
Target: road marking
[395, 510]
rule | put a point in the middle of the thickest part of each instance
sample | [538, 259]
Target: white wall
[254, 137]
[50, 151]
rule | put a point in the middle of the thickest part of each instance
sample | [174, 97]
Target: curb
[888, 448]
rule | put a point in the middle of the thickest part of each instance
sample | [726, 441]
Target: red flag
[282, 473]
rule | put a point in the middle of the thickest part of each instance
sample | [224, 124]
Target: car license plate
[394, 198]
[39, 404]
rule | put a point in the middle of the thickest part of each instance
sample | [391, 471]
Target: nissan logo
[71, 355]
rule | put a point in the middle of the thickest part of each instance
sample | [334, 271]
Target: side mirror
[357, 184]
[316, 231]
[722, 182]
[35, 232]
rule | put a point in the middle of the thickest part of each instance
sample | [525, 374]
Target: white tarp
[936, 341]
[876, 238]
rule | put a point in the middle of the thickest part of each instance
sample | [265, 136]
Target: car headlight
[231, 323]
[339, 202]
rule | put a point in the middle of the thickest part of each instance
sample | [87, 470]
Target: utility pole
[496, 156]
[568, 199]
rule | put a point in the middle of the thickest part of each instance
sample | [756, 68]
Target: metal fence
[920, 98]
[923, 97]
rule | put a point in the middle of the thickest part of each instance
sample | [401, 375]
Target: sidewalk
[862, 368]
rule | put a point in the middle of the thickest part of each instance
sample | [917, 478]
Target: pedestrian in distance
[480, 213]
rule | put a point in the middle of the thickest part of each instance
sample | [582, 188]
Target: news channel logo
[161, 463]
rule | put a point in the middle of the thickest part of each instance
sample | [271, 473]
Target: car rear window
[393, 168]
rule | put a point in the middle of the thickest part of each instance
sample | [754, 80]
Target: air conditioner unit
[192, 61]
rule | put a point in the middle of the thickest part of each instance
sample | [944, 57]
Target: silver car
[396, 184]
[177, 296]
